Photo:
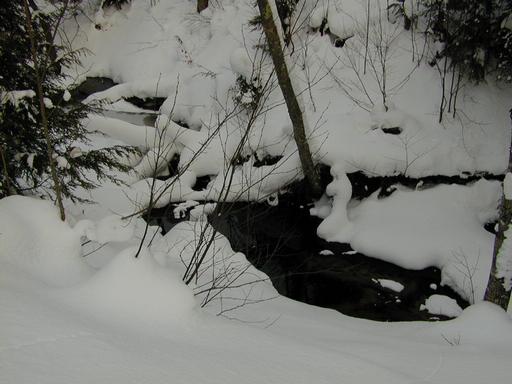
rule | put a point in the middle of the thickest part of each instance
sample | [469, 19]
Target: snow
[322, 207]
[30, 160]
[130, 134]
[48, 103]
[66, 96]
[193, 61]
[181, 209]
[134, 291]
[336, 226]
[441, 226]
[62, 163]
[441, 305]
[135, 321]
[35, 240]
[390, 284]
[15, 97]
[74, 291]
[218, 46]
[346, 128]
[479, 323]
[108, 229]
[75, 152]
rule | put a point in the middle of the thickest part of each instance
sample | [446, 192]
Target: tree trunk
[498, 290]
[7, 178]
[201, 5]
[42, 110]
[292, 104]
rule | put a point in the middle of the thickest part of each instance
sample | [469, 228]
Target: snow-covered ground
[134, 321]
[78, 307]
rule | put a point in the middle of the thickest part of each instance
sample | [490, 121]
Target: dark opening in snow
[149, 103]
[392, 130]
[91, 85]
[267, 160]
[201, 183]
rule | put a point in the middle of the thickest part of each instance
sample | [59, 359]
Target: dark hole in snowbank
[91, 85]
[267, 160]
[163, 217]
[363, 186]
[491, 227]
[149, 103]
[201, 183]
[392, 130]
[182, 123]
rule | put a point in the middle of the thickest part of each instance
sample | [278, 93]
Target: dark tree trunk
[42, 109]
[294, 110]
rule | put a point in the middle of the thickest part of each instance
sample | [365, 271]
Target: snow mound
[110, 228]
[131, 290]
[34, 239]
[440, 226]
[226, 282]
[441, 305]
[390, 284]
[480, 324]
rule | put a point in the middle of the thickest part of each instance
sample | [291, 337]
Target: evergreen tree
[39, 129]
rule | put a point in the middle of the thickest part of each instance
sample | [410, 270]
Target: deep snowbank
[34, 239]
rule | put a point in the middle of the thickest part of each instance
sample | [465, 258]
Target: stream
[282, 242]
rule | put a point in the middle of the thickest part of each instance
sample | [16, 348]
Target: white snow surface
[391, 284]
[133, 320]
[346, 126]
[441, 305]
[34, 239]
[440, 226]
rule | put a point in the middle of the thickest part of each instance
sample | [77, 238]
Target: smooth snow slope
[133, 322]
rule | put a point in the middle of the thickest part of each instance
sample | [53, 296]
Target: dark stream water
[281, 241]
